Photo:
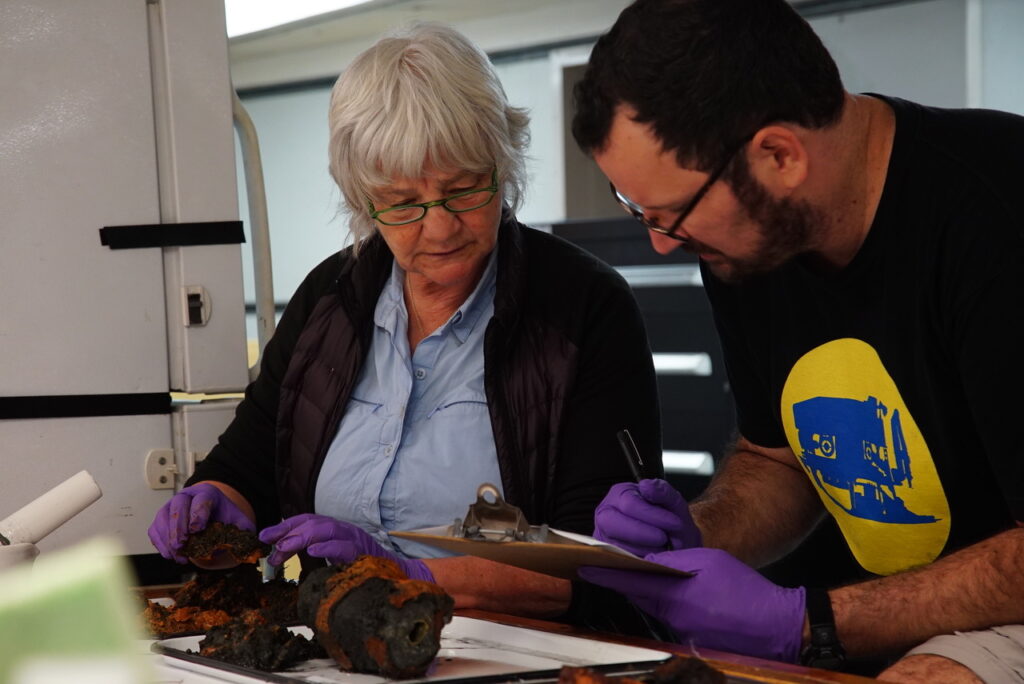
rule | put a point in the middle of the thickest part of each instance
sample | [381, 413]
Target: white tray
[471, 649]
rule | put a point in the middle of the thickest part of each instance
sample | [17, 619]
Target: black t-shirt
[899, 382]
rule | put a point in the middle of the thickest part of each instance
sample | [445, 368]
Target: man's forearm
[977, 587]
[486, 585]
[758, 507]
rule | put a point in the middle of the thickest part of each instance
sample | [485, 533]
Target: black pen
[636, 464]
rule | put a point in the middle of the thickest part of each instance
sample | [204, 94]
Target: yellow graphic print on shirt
[850, 429]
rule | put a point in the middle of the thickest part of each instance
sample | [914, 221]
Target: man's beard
[784, 227]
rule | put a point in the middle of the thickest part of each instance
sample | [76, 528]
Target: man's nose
[663, 244]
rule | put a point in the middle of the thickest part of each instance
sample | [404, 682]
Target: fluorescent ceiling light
[249, 16]
[688, 462]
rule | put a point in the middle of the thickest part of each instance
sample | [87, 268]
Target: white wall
[534, 83]
[915, 51]
[302, 200]
[1002, 55]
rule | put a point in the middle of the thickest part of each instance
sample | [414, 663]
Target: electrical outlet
[160, 469]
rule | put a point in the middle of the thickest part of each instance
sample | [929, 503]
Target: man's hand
[726, 605]
[190, 511]
[646, 517]
[334, 540]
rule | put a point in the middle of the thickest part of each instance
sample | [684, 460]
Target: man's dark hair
[706, 74]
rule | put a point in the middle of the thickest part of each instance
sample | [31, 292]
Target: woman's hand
[334, 540]
[190, 511]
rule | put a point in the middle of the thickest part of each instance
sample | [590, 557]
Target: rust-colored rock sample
[216, 596]
[163, 622]
[217, 537]
[371, 618]
[232, 590]
[251, 641]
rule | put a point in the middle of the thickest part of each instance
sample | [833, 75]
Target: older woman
[447, 347]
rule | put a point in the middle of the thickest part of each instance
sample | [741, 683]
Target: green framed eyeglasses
[458, 203]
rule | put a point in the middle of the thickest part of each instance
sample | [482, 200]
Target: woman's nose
[439, 223]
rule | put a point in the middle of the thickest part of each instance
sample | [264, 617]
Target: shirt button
[388, 449]
[420, 373]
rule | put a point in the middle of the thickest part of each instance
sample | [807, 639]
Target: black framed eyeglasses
[637, 212]
[458, 203]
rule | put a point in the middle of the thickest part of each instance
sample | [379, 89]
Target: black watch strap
[824, 649]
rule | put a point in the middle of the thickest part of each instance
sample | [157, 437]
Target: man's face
[738, 228]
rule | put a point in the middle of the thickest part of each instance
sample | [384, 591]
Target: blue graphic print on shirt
[843, 444]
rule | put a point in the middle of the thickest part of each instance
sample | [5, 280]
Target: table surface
[756, 669]
[747, 667]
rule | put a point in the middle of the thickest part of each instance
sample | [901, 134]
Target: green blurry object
[70, 605]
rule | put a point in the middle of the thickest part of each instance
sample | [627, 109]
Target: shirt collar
[465, 318]
[391, 304]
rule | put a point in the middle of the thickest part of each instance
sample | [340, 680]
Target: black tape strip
[173, 235]
[84, 405]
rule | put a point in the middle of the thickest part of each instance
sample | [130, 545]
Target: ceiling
[370, 20]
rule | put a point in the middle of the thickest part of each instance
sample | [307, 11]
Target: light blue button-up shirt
[415, 441]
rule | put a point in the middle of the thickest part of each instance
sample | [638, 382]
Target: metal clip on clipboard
[491, 518]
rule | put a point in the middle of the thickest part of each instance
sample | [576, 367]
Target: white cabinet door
[77, 153]
[112, 113]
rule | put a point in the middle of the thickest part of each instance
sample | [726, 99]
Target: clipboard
[497, 531]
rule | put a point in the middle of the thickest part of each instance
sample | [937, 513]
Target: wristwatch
[825, 650]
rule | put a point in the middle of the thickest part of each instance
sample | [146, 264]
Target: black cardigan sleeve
[615, 388]
[244, 456]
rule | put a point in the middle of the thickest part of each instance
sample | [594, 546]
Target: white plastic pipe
[42, 516]
[259, 225]
[18, 554]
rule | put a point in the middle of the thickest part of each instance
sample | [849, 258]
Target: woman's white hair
[422, 95]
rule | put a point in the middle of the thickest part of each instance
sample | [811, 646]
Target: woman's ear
[778, 159]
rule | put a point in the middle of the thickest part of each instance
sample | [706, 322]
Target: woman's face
[443, 249]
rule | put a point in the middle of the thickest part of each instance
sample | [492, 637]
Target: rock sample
[250, 641]
[371, 618]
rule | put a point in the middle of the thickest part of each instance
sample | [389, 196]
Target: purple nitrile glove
[647, 517]
[190, 511]
[335, 540]
[726, 605]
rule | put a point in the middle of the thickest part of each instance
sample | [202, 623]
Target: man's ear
[778, 159]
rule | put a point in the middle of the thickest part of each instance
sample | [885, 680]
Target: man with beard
[860, 253]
